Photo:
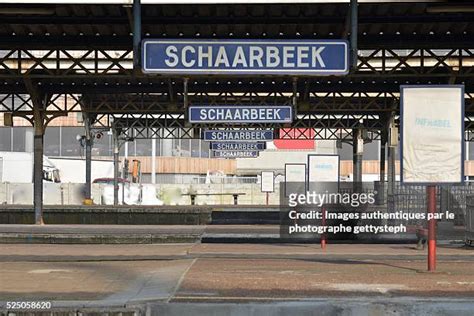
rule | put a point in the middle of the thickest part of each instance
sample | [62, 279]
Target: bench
[193, 196]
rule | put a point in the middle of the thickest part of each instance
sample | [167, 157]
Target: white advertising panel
[323, 168]
[295, 178]
[295, 172]
[432, 131]
[268, 181]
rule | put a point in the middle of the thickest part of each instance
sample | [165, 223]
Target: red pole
[323, 222]
[431, 197]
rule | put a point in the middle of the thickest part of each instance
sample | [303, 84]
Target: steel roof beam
[233, 20]
[124, 42]
[156, 87]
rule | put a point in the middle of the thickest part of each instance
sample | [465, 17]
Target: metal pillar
[137, 33]
[431, 199]
[357, 153]
[186, 102]
[39, 100]
[38, 172]
[383, 146]
[88, 168]
[294, 97]
[153, 160]
[391, 175]
[381, 186]
[88, 148]
[354, 30]
[115, 139]
[391, 170]
[391, 179]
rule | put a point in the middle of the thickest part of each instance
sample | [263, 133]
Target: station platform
[194, 278]
[143, 215]
[213, 233]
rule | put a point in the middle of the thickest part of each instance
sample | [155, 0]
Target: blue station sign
[243, 57]
[238, 135]
[244, 146]
[235, 154]
[240, 114]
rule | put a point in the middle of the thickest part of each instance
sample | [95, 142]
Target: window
[20, 136]
[205, 149]
[158, 146]
[371, 150]
[102, 146]
[69, 144]
[195, 148]
[470, 151]
[184, 149]
[5, 138]
[51, 141]
[345, 152]
[143, 147]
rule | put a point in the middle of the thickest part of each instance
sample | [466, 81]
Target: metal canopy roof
[101, 25]
[85, 48]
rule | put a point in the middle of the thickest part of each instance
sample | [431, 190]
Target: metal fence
[198, 179]
[452, 198]
[412, 198]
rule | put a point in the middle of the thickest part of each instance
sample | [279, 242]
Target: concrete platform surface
[157, 279]
[125, 252]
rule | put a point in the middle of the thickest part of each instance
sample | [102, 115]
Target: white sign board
[295, 172]
[323, 168]
[295, 178]
[432, 134]
[267, 181]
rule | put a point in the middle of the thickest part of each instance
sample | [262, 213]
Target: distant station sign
[235, 154]
[240, 57]
[238, 135]
[245, 146]
[241, 114]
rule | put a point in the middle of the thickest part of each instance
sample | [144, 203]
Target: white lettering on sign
[235, 154]
[171, 52]
[237, 146]
[226, 114]
[247, 135]
[202, 55]
[317, 57]
[257, 56]
[186, 62]
[221, 58]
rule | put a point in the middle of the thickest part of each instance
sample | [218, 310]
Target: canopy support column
[115, 136]
[137, 34]
[354, 30]
[88, 150]
[39, 100]
[358, 152]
